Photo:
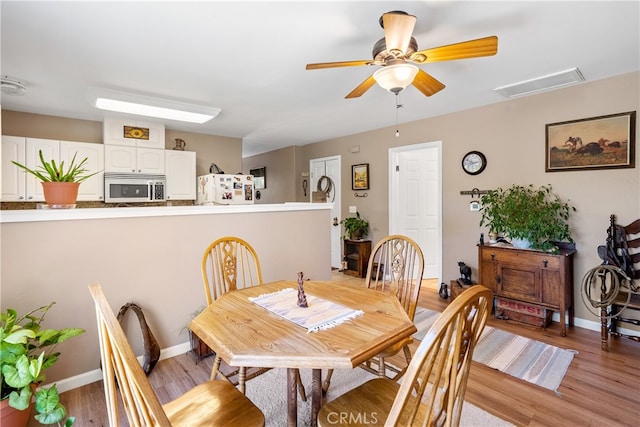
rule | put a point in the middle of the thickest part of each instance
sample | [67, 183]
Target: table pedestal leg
[292, 398]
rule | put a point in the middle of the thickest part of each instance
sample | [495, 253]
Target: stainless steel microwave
[123, 188]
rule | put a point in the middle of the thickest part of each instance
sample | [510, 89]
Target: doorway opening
[415, 200]
[325, 178]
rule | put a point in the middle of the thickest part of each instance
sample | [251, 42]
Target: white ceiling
[249, 58]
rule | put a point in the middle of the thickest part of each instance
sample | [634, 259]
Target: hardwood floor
[599, 389]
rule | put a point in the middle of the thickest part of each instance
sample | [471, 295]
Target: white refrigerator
[225, 189]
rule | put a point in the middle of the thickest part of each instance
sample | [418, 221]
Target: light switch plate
[353, 209]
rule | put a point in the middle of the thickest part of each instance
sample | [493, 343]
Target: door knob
[335, 221]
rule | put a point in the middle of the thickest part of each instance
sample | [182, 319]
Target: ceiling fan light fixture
[397, 77]
[11, 86]
[139, 105]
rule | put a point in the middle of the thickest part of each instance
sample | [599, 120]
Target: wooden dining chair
[433, 388]
[396, 265]
[208, 404]
[228, 264]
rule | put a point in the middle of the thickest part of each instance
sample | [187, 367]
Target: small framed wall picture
[259, 177]
[360, 176]
[133, 132]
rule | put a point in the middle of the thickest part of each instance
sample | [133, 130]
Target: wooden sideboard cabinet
[539, 278]
[356, 253]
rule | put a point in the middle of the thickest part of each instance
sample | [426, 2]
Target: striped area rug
[533, 361]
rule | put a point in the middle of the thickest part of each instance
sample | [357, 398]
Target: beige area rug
[533, 361]
[268, 392]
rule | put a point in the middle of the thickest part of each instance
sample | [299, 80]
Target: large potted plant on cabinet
[59, 184]
[529, 216]
[26, 351]
[356, 227]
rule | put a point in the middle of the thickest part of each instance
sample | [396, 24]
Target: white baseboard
[592, 325]
[96, 375]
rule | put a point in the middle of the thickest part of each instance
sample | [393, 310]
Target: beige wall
[50, 127]
[279, 168]
[153, 261]
[223, 151]
[512, 136]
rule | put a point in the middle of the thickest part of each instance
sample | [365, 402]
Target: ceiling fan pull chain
[398, 106]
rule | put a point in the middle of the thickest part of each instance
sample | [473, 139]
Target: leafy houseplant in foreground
[355, 227]
[26, 350]
[535, 214]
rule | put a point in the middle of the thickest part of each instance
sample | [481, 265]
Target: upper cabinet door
[133, 133]
[181, 175]
[92, 188]
[150, 161]
[50, 151]
[13, 178]
[120, 159]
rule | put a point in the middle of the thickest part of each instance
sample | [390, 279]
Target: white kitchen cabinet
[91, 188]
[133, 133]
[50, 150]
[122, 159]
[181, 175]
[13, 178]
[17, 185]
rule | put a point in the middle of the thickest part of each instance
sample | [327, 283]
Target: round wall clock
[474, 162]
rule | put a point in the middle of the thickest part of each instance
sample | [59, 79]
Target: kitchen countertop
[37, 215]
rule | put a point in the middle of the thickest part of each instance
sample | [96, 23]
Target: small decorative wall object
[180, 144]
[360, 176]
[259, 177]
[604, 142]
[134, 132]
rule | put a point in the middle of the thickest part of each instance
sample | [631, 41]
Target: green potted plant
[60, 185]
[27, 350]
[529, 216]
[355, 228]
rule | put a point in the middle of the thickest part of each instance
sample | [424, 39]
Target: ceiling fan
[398, 51]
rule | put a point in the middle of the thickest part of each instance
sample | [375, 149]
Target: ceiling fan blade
[362, 88]
[486, 46]
[398, 28]
[338, 64]
[427, 84]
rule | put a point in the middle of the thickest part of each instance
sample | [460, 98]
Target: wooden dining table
[244, 333]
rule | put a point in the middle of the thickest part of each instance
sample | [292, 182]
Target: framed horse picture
[602, 142]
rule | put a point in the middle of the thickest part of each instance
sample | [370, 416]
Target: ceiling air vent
[550, 81]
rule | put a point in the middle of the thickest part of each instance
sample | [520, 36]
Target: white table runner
[319, 315]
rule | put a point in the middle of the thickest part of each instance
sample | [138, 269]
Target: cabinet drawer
[529, 258]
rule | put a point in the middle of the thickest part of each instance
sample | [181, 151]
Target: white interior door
[326, 171]
[415, 200]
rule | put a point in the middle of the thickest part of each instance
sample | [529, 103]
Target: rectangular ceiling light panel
[550, 81]
[152, 107]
